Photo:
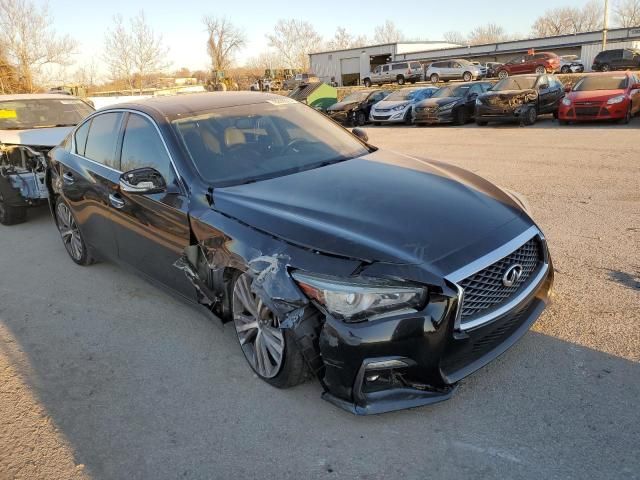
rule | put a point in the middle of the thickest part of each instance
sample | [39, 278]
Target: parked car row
[468, 71]
[518, 98]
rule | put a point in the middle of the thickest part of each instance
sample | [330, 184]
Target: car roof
[178, 105]
[35, 96]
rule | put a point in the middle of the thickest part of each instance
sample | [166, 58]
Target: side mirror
[473, 95]
[361, 134]
[142, 181]
[567, 88]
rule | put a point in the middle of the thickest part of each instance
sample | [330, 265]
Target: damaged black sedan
[388, 278]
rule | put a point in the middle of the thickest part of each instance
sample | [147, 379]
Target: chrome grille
[485, 289]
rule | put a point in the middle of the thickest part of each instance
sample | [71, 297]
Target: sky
[180, 21]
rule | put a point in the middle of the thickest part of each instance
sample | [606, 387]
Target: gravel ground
[104, 376]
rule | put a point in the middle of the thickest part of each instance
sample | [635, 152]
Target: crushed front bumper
[416, 359]
[433, 116]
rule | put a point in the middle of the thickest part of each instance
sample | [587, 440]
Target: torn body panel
[22, 173]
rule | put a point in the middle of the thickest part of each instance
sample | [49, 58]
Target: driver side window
[143, 147]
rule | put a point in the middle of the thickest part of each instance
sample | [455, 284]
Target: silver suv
[458, 69]
[400, 72]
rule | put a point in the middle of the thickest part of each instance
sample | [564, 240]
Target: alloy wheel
[69, 232]
[258, 330]
[540, 70]
[503, 74]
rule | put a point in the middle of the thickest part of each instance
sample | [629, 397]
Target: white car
[571, 64]
[398, 106]
[30, 126]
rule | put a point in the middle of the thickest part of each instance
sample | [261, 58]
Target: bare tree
[224, 39]
[387, 33]
[489, 33]
[29, 41]
[455, 37]
[294, 40]
[343, 40]
[266, 60]
[626, 13]
[569, 20]
[134, 55]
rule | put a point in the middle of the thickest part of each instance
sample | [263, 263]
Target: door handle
[68, 178]
[116, 201]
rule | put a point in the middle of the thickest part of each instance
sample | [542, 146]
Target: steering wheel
[292, 144]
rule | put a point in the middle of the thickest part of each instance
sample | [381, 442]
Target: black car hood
[431, 102]
[380, 207]
[342, 106]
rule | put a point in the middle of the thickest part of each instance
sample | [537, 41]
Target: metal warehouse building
[349, 67]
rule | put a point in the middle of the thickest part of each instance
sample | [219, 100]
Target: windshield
[515, 83]
[403, 95]
[42, 113]
[458, 91]
[616, 82]
[235, 145]
[356, 97]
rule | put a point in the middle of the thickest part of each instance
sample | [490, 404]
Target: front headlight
[397, 108]
[566, 102]
[355, 299]
[448, 106]
[614, 100]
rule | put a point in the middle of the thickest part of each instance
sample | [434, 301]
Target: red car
[540, 63]
[602, 96]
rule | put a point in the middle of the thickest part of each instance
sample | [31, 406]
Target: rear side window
[401, 66]
[81, 137]
[415, 65]
[102, 139]
[143, 147]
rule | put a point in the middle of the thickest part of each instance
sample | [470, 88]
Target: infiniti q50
[386, 277]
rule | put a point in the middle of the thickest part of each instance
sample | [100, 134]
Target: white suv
[454, 70]
[400, 72]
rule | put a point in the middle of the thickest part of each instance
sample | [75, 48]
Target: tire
[481, 123]
[377, 124]
[71, 235]
[627, 118]
[271, 352]
[565, 69]
[467, 77]
[10, 215]
[460, 117]
[367, 82]
[435, 78]
[541, 70]
[400, 80]
[361, 119]
[605, 67]
[530, 117]
[408, 117]
[503, 74]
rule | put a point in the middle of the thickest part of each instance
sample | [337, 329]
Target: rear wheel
[361, 119]
[565, 69]
[400, 80]
[71, 235]
[605, 67]
[271, 352]
[460, 117]
[467, 77]
[541, 70]
[434, 78]
[408, 117]
[11, 215]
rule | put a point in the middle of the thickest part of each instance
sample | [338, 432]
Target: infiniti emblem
[512, 275]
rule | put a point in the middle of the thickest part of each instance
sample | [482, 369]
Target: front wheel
[71, 235]
[541, 70]
[271, 351]
[460, 117]
[11, 215]
[434, 78]
[360, 119]
[565, 69]
[502, 74]
[605, 67]
[530, 116]
[467, 77]
[367, 82]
